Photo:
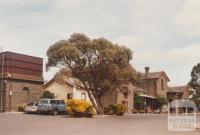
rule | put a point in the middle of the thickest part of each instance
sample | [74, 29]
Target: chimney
[147, 71]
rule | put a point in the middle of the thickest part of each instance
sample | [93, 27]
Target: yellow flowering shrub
[121, 109]
[79, 108]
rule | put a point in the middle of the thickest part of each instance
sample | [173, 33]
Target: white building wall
[61, 91]
[78, 94]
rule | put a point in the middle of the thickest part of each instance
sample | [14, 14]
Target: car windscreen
[44, 101]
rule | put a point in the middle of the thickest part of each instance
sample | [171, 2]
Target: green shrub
[161, 101]
[21, 108]
[138, 101]
[114, 109]
[107, 111]
[117, 109]
[197, 102]
[48, 94]
[141, 111]
[80, 108]
[134, 111]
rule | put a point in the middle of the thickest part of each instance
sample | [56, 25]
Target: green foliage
[107, 110]
[21, 108]
[195, 81]
[138, 101]
[117, 109]
[197, 102]
[114, 109]
[48, 94]
[97, 63]
[80, 108]
[161, 101]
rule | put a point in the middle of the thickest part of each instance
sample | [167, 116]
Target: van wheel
[38, 112]
[55, 112]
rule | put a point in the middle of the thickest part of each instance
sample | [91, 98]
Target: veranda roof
[147, 96]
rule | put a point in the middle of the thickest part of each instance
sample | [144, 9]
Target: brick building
[21, 80]
[124, 95]
[178, 92]
[156, 84]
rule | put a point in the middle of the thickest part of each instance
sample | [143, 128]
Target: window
[62, 102]
[52, 101]
[58, 102]
[69, 96]
[125, 95]
[83, 96]
[162, 84]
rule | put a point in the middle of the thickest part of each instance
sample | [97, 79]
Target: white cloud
[188, 54]
[162, 34]
[188, 18]
[131, 42]
[21, 3]
[177, 62]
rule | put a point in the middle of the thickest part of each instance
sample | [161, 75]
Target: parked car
[51, 106]
[31, 107]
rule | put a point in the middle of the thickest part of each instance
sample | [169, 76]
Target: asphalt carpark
[30, 124]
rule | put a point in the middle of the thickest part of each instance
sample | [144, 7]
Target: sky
[163, 34]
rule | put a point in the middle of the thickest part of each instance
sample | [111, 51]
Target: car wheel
[55, 112]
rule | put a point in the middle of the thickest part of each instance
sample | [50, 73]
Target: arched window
[28, 93]
[162, 84]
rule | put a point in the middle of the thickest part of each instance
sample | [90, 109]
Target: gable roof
[155, 75]
[73, 82]
[54, 80]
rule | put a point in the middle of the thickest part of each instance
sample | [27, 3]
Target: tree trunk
[93, 101]
[99, 103]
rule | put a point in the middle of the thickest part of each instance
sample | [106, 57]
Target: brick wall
[23, 92]
[117, 97]
[160, 91]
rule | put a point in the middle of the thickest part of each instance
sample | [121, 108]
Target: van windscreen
[44, 101]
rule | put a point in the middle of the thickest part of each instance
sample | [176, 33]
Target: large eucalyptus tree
[99, 64]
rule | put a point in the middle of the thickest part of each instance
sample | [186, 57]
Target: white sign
[182, 115]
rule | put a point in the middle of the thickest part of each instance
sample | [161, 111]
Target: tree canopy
[195, 81]
[48, 94]
[99, 64]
